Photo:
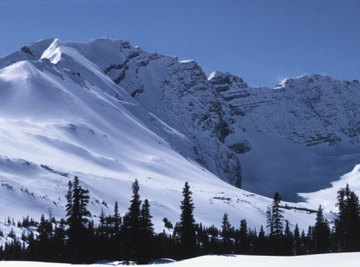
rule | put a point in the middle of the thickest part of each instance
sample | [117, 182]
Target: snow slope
[329, 260]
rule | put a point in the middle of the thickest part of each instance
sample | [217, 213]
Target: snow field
[328, 260]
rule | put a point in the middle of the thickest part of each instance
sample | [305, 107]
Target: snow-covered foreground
[328, 260]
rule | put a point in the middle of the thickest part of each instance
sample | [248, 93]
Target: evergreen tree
[43, 243]
[277, 217]
[288, 240]
[116, 221]
[215, 247]
[244, 241]
[77, 220]
[321, 233]
[147, 233]
[274, 219]
[261, 242]
[45, 230]
[59, 241]
[297, 241]
[132, 225]
[145, 220]
[309, 241]
[103, 234]
[348, 221]
[187, 224]
[102, 229]
[269, 220]
[226, 235]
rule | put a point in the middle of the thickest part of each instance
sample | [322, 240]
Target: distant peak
[218, 77]
[304, 80]
[53, 52]
[31, 51]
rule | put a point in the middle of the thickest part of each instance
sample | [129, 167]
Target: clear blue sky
[261, 41]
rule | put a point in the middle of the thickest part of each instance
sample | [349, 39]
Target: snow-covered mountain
[298, 137]
[110, 112]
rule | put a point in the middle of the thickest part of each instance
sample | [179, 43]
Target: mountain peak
[224, 81]
[305, 80]
[53, 52]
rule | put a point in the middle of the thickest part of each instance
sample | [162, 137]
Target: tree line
[78, 239]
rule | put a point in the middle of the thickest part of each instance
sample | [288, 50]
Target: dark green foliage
[287, 240]
[112, 238]
[275, 224]
[146, 233]
[227, 234]
[348, 221]
[77, 219]
[116, 222]
[187, 234]
[321, 233]
[297, 241]
[277, 217]
[132, 225]
[243, 246]
[44, 239]
[261, 243]
[168, 225]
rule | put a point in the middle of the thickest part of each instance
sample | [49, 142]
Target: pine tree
[116, 221]
[131, 225]
[45, 230]
[297, 241]
[226, 231]
[43, 243]
[288, 240]
[102, 229]
[145, 220]
[147, 233]
[309, 241]
[274, 219]
[69, 201]
[187, 224]
[348, 221]
[103, 234]
[269, 221]
[321, 233]
[277, 217]
[59, 241]
[77, 220]
[244, 241]
[261, 242]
